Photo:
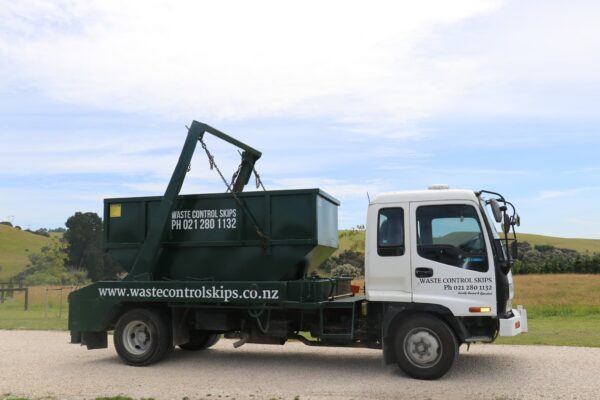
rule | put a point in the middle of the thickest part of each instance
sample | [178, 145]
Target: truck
[243, 265]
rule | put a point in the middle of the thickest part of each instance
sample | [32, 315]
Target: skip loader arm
[146, 259]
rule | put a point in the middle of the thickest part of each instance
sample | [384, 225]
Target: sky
[351, 97]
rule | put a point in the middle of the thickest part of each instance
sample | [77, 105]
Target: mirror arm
[500, 197]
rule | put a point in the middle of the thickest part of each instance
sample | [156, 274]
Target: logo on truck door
[462, 286]
[204, 219]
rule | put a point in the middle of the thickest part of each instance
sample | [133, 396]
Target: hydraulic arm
[146, 259]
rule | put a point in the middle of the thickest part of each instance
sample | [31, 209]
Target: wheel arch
[121, 308]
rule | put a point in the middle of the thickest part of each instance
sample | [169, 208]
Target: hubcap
[136, 338]
[423, 347]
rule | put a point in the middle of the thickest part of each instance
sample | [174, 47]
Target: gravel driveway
[41, 363]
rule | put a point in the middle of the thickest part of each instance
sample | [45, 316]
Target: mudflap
[94, 340]
[75, 337]
[388, 353]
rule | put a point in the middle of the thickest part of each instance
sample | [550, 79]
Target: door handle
[423, 272]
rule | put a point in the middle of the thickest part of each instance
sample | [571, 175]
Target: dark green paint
[92, 310]
[290, 218]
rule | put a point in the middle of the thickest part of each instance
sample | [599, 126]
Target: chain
[235, 175]
[213, 165]
[258, 180]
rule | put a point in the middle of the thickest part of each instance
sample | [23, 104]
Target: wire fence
[8, 290]
[51, 300]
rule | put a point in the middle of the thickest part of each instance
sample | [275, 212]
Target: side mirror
[506, 224]
[517, 220]
[496, 210]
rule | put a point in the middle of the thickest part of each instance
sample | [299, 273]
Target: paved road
[41, 363]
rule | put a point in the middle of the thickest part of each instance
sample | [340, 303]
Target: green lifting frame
[147, 257]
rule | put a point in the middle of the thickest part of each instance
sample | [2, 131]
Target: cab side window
[390, 232]
[452, 235]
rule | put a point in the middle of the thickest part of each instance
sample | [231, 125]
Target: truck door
[452, 262]
[388, 274]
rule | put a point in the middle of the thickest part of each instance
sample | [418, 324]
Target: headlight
[508, 306]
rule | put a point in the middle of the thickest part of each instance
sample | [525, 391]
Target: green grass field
[559, 331]
[15, 245]
[48, 309]
[33, 319]
[563, 310]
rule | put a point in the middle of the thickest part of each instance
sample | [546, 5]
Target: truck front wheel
[200, 340]
[425, 347]
[142, 336]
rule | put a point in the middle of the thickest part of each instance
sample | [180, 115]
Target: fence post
[46, 307]
[60, 306]
[26, 298]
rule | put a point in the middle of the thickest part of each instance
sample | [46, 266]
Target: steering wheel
[469, 245]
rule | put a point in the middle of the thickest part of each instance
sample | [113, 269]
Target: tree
[48, 267]
[84, 239]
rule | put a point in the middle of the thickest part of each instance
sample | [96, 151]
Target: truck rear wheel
[200, 340]
[142, 336]
[425, 347]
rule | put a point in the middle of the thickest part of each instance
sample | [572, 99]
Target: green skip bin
[252, 236]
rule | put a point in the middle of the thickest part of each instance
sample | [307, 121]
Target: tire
[142, 337]
[425, 347]
[200, 340]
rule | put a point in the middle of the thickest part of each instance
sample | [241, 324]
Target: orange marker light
[480, 309]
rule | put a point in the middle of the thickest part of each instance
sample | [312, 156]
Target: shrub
[346, 270]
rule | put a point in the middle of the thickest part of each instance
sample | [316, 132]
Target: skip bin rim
[218, 195]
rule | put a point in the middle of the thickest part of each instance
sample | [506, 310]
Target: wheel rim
[423, 347]
[137, 339]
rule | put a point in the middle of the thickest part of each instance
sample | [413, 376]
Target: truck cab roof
[425, 195]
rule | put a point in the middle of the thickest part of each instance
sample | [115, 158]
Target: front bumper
[516, 324]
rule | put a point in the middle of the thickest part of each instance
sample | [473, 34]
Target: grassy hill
[15, 245]
[580, 245]
[355, 240]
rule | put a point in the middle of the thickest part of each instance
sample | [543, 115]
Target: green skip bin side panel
[212, 237]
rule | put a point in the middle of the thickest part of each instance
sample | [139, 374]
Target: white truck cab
[439, 248]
